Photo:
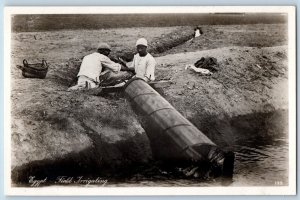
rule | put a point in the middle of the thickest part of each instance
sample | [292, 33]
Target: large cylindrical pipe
[171, 135]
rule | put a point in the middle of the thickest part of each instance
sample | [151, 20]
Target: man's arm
[125, 67]
[150, 69]
[106, 62]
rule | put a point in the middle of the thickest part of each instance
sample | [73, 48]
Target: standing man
[92, 65]
[198, 32]
[143, 63]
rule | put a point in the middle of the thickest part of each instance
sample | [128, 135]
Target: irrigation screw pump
[172, 137]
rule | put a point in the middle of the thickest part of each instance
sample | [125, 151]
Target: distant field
[29, 23]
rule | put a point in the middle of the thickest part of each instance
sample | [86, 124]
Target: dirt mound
[249, 82]
[159, 44]
[214, 37]
[168, 41]
[62, 133]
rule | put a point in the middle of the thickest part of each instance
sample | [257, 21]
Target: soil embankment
[244, 96]
[55, 132]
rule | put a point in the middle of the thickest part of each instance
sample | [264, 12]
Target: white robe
[144, 66]
[197, 33]
[92, 64]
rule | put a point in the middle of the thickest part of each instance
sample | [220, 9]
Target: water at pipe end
[221, 164]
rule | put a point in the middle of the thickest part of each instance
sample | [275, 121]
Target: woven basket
[37, 70]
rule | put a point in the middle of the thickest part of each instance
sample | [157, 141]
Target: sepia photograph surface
[150, 100]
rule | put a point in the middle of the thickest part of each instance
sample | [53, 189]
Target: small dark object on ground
[209, 63]
[37, 70]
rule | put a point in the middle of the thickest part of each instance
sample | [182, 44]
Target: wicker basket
[37, 70]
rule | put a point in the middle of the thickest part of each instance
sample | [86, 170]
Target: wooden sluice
[173, 138]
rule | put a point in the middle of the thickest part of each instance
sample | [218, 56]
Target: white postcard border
[141, 191]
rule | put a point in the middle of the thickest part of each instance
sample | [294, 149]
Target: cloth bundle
[204, 66]
[207, 63]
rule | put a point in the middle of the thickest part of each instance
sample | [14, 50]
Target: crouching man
[97, 68]
[143, 63]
